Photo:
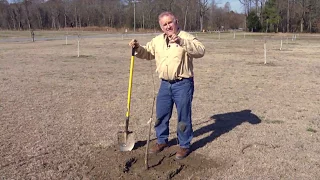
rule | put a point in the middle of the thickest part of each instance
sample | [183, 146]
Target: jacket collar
[165, 35]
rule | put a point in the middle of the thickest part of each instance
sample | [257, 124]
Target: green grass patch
[311, 130]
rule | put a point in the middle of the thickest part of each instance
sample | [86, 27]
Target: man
[174, 51]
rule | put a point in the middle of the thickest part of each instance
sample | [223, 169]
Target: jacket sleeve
[193, 47]
[146, 52]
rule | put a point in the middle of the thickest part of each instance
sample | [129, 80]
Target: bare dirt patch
[131, 165]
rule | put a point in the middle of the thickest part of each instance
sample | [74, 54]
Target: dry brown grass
[60, 114]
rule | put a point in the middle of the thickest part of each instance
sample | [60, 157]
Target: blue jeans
[179, 93]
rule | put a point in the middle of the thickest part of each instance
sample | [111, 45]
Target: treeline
[193, 15]
[282, 15]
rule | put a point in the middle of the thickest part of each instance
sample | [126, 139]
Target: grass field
[60, 113]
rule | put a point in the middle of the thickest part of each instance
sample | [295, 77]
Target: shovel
[126, 138]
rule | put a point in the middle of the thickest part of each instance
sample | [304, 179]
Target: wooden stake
[32, 35]
[292, 37]
[78, 45]
[281, 45]
[146, 157]
[67, 37]
[265, 51]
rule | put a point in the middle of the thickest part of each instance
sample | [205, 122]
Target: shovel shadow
[223, 123]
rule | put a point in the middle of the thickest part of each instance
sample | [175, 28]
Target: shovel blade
[126, 141]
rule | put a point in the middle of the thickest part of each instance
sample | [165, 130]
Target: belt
[175, 80]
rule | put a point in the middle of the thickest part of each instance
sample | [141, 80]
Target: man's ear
[176, 21]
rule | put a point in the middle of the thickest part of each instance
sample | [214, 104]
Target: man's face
[168, 25]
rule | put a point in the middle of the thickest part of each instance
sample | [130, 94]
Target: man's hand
[134, 43]
[175, 39]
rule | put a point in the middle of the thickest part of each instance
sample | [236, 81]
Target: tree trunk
[65, 20]
[310, 26]
[245, 24]
[39, 20]
[301, 25]
[13, 19]
[80, 25]
[267, 27]
[27, 13]
[257, 8]
[142, 20]
[185, 15]
[58, 22]
[76, 17]
[201, 22]
[53, 23]
[104, 19]
[261, 17]
[288, 17]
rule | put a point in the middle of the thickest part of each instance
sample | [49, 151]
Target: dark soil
[110, 163]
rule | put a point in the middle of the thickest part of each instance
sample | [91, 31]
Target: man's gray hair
[166, 13]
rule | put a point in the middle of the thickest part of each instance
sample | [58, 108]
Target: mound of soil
[110, 163]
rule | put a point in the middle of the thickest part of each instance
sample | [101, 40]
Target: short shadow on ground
[223, 123]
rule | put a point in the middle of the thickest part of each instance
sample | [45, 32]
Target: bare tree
[4, 15]
[295, 15]
[26, 5]
[186, 14]
[247, 5]
[203, 8]
[288, 17]
[227, 7]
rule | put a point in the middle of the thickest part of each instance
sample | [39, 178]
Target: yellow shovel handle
[130, 82]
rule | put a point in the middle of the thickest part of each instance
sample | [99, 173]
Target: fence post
[78, 45]
[32, 35]
[265, 51]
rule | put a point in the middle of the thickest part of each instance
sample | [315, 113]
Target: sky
[235, 5]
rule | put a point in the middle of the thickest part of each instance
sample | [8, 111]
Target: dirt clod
[175, 172]
[128, 164]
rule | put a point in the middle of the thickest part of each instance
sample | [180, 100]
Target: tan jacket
[173, 61]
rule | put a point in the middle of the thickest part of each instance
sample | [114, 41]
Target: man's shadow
[223, 123]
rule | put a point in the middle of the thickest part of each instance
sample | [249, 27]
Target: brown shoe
[157, 148]
[182, 153]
